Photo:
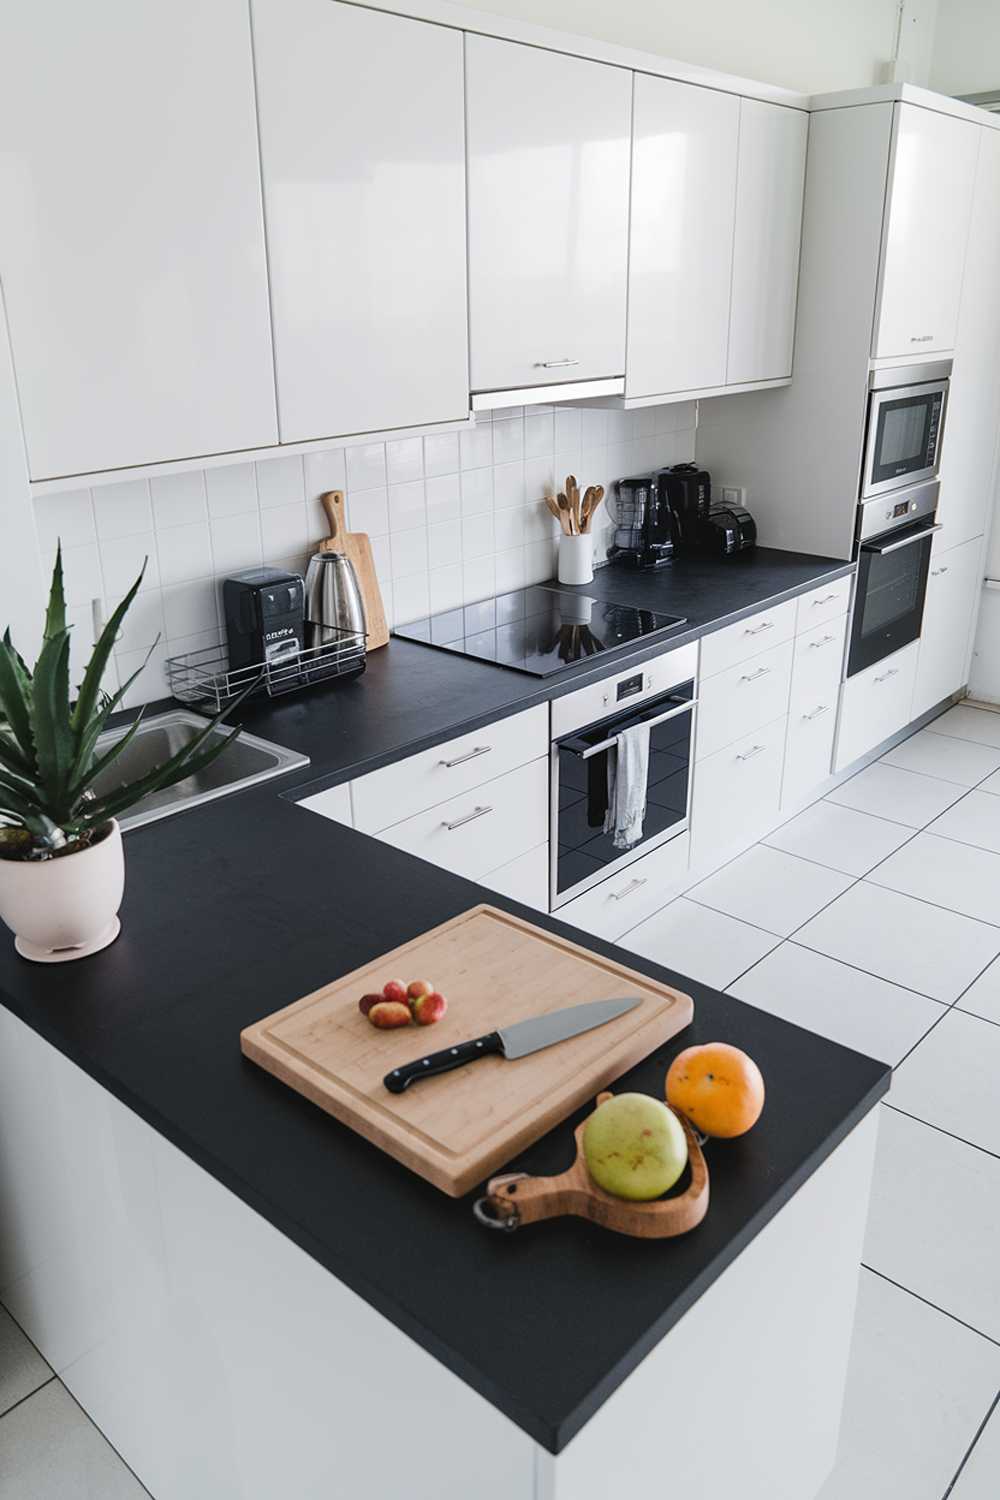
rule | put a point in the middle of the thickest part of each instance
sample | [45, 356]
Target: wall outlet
[735, 495]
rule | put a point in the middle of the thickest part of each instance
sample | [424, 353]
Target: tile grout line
[961, 1139]
[968, 1452]
[103, 1436]
[22, 1399]
[872, 1271]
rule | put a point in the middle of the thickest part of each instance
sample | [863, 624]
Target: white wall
[811, 45]
[966, 52]
[21, 598]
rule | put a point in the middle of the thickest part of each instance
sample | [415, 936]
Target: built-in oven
[896, 535]
[586, 724]
[906, 410]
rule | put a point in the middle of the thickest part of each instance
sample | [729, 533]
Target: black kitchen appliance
[645, 530]
[264, 615]
[727, 530]
[895, 537]
[686, 491]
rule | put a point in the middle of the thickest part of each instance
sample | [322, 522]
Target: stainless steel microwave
[906, 410]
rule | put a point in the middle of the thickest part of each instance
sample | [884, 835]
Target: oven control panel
[589, 704]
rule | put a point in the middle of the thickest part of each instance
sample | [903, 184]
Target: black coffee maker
[645, 531]
[686, 491]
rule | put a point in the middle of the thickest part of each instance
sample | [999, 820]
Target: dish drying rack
[204, 677]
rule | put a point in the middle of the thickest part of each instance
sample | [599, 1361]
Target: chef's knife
[513, 1041]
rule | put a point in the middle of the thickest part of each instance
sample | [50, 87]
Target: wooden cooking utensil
[516, 1198]
[553, 505]
[357, 547]
[573, 496]
[569, 522]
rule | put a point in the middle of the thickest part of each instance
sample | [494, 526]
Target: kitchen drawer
[420, 781]
[525, 878]
[808, 750]
[618, 904]
[734, 702]
[875, 704]
[818, 666]
[334, 803]
[735, 643]
[485, 827]
[736, 795]
[822, 604]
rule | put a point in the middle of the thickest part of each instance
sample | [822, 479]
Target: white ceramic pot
[576, 558]
[60, 909]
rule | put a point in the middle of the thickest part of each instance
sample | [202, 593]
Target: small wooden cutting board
[494, 969]
[357, 547]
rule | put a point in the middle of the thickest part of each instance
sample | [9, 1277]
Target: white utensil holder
[576, 558]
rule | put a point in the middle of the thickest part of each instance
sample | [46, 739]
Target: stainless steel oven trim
[880, 395]
[672, 713]
[882, 548]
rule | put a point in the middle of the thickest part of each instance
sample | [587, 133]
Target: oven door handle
[586, 751]
[907, 541]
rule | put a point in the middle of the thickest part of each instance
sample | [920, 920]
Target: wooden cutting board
[494, 969]
[357, 547]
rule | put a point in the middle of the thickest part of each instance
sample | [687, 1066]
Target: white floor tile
[950, 1080]
[840, 837]
[991, 784]
[50, 1451]
[980, 1479]
[958, 876]
[983, 997]
[934, 1220]
[22, 1368]
[854, 1009]
[973, 820]
[935, 952]
[918, 1386]
[695, 940]
[770, 889]
[902, 796]
[959, 761]
[965, 723]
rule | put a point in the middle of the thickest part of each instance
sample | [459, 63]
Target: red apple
[367, 1001]
[388, 1014]
[418, 987]
[429, 1008]
[394, 990]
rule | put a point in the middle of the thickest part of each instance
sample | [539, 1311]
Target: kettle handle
[333, 503]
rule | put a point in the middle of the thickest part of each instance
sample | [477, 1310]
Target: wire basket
[204, 677]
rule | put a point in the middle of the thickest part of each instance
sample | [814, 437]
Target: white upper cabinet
[363, 152]
[931, 180]
[132, 244]
[548, 142]
[769, 187]
[681, 253]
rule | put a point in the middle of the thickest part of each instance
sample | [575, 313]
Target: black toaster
[264, 611]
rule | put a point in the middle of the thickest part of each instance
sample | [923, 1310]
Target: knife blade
[514, 1041]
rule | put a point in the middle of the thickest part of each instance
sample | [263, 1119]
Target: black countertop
[243, 905]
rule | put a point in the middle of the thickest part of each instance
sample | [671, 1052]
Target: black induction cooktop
[539, 630]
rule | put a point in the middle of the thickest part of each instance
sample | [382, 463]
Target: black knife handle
[443, 1062]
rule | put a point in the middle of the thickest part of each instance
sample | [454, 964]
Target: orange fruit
[718, 1087]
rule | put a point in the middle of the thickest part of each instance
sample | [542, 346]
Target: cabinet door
[953, 588]
[362, 142]
[548, 141]
[769, 186]
[931, 174]
[968, 454]
[681, 249]
[132, 256]
[874, 704]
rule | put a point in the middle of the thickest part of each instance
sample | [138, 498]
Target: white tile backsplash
[453, 517]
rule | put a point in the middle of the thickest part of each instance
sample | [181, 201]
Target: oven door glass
[889, 603]
[903, 440]
[585, 854]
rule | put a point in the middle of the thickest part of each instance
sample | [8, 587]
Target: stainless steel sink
[247, 761]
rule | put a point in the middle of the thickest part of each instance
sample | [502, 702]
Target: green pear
[634, 1146]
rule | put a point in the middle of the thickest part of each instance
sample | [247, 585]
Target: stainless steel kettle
[333, 602]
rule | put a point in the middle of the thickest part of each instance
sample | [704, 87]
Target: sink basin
[247, 761]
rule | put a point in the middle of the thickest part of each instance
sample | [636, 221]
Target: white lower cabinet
[808, 751]
[618, 904]
[334, 803]
[525, 878]
[953, 587]
[740, 699]
[737, 793]
[875, 704]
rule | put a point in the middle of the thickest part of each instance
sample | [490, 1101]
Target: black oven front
[892, 578]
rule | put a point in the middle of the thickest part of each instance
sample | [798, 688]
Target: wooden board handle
[333, 503]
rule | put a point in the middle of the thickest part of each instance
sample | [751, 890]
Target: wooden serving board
[494, 969]
[357, 547]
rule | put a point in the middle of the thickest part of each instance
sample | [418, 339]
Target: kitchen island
[251, 1301]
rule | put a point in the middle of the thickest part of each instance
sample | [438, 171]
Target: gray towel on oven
[628, 770]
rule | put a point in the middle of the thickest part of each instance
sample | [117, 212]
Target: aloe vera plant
[48, 741]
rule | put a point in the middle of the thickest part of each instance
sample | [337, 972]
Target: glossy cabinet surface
[684, 160]
[548, 176]
[747, 638]
[953, 588]
[769, 187]
[734, 702]
[132, 253]
[736, 795]
[931, 178]
[364, 192]
[875, 704]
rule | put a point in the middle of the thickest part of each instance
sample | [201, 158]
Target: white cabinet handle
[921, 338]
[461, 759]
[754, 750]
[555, 364]
[936, 572]
[477, 812]
[756, 629]
[627, 890]
[892, 672]
[826, 599]
[815, 645]
[753, 676]
[817, 713]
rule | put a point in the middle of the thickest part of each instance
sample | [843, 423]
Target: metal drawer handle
[756, 629]
[752, 752]
[826, 599]
[817, 713]
[461, 759]
[936, 572]
[477, 812]
[628, 889]
[753, 676]
[892, 672]
[555, 364]
[815, 645]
